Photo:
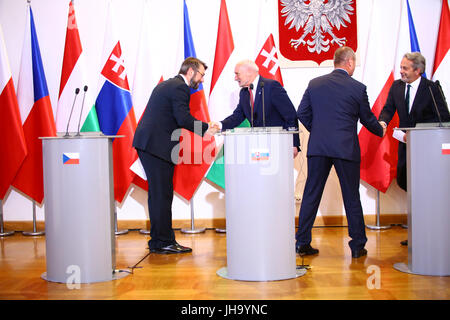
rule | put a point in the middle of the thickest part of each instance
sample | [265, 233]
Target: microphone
[442, 93]
[435, 105]
[263, 111]
[77, 90]
[81, 112]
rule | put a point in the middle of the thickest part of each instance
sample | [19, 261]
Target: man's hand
[384, 125]
[213, 128]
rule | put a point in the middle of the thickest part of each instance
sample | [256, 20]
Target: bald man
[278, 108]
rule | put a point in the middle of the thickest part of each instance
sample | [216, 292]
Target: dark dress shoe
[404, 242]
[173, 248]
[306, 250]
[359, 253]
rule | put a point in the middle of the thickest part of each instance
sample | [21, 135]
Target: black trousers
[348, 174]
[401, 166]
[159, 174]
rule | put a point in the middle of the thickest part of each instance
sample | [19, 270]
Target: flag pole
[378, 226]
[116, 231]
[34, 232]
[3, 232]
[192, 229]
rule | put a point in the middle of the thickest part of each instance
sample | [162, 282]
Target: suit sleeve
[304, 111]
[367, 117]
[286, 109]
[236, 118]
[389, 108]
[182, 113]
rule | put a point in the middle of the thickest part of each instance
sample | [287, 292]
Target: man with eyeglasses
[167, 111]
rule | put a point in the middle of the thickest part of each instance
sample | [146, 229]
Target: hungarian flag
[441, 64]
[35, 111]
[73, 77]
[196, 154]
[224, 93]
[379, 155]
[12, 139]
[115, 111]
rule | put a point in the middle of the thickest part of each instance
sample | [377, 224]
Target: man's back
[330, 109]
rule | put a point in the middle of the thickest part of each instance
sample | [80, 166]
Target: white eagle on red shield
[321, 19]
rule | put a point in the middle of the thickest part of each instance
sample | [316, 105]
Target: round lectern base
[223, 272]
[7, 233]
[115, 276]
[193, 231]
[375, 227]
[403, 267]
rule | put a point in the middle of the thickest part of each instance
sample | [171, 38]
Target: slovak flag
[267, 61]
[115, 111]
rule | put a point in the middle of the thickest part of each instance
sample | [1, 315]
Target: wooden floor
[333, 274]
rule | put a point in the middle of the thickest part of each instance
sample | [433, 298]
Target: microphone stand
[435, 106]
[77, 90]
[81, 112]
[263, 105]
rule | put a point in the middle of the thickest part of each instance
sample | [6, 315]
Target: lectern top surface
[82, 135]
[259, 130]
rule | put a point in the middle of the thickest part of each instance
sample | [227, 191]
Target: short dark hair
[342, 54]
[193, 63]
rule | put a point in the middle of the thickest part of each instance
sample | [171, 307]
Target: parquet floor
[334, 275]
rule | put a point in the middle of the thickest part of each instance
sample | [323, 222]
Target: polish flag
[12, 139]
[379, 155]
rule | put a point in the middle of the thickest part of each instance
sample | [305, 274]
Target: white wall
[166, 25]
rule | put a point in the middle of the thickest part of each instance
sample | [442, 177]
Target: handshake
[384, 126]
[213, 127]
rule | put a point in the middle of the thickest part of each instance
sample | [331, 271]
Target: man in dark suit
[278, 108]
[329, 110]
[410, 96]
[414, 105]
[167, 111]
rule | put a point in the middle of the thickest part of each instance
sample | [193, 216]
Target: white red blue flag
[115, 112]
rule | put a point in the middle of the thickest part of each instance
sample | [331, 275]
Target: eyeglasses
[203, 74]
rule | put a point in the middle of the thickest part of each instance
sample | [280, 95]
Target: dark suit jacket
[167, 110]
[278, 108]
[330, 109]
[422, 109]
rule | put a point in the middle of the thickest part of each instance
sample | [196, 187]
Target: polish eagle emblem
[318, 18]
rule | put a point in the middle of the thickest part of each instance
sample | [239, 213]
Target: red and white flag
[441, 66]
[379, 155]
[267, 61]
[12, 139]
[35, 111]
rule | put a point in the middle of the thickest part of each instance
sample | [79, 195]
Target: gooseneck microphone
[81, 112]
[77, 91]
[263, 106]
[435, 106]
